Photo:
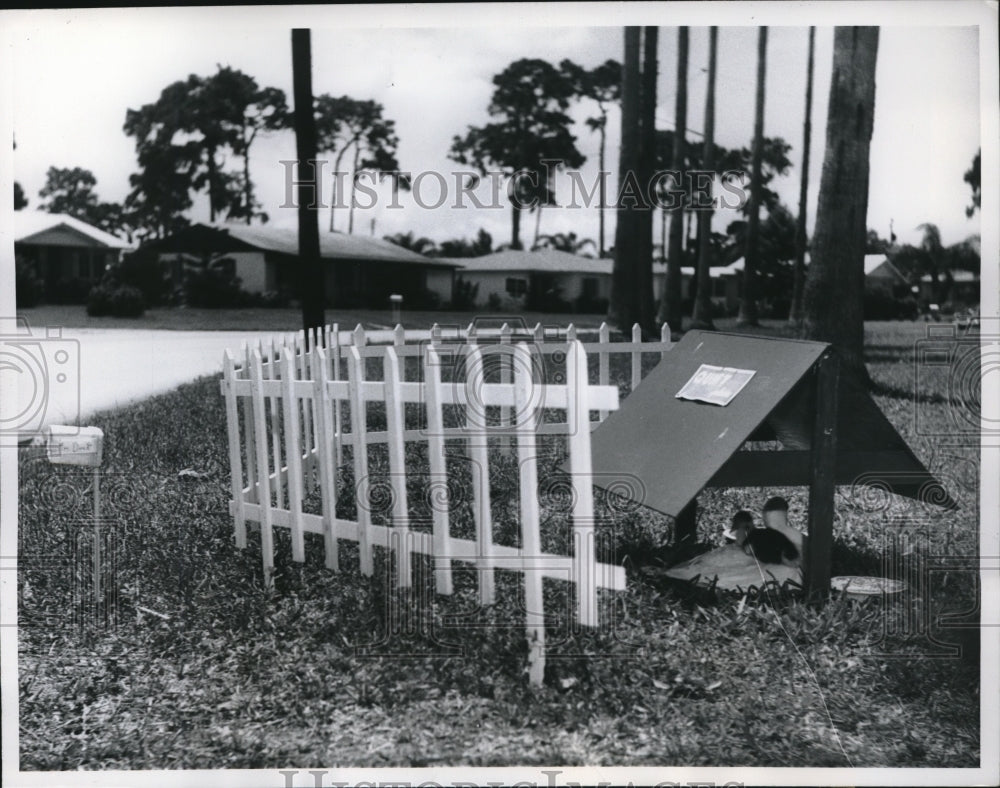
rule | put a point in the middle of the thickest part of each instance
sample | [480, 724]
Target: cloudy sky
[76, 73]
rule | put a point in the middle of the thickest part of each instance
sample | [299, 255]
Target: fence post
[233, 435]
[264, 495]
[636, 357]
[338, 436]
[440, 504]
[578, 420]
[293, 453]
[666, 339]
[248, 435]
[273, 373]
[394, 425]
[327, 473]
[360, 452]
[300, 364]
[480, 469]
[603, 354]
[531, 542]
[506, 363]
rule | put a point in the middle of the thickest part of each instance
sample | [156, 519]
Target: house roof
[231, 237]
[881, 264]
[28, 224]
[667, 449]
[549, 261]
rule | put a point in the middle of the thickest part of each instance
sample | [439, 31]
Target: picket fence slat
[475, 419]
[360, 452]
[397, 467]
[531, 540]
[439, 497]
[264, 484]
[233, 436]
[327, 470]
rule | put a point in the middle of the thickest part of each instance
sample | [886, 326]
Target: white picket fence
[286, 432]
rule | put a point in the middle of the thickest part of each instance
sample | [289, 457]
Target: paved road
[88, 370]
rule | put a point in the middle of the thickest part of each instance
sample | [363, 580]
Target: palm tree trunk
[621, 306]
[515, 225]
[835, 280]
[646, 306]
[748, 304]
[670, 303]
[247, 186]
[600, 175]
[311, 278]
[799, 274]
[354, 184]
[538, 223]
[702, 317]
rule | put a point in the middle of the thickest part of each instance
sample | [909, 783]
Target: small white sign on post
[75, 445]
[67, 445]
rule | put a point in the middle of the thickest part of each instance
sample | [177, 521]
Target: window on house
[589, 287]
[517, 287]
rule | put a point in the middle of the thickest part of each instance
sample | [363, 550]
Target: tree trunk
[311, 266]
[645, 304]
[247, 186]
[354, 185]
[600, 175]
[212, 175]
[538, 224]
[799, 274]
[834, 285]
[751, 255]
[702, 317]
[670, 303]
[621, 311]
[515, 226]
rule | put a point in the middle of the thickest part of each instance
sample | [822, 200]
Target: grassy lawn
[203, 669]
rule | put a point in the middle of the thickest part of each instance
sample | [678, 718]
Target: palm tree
[799, 275]
[702, 317]
[406, 240]
[748, 304]
[647, 167]
[670, 303]
[565, 242]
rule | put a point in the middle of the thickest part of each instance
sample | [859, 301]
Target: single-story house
[359, 270]
[883, 277]
[963, 290]
[68, 255]
[517, 279]
[542, 279]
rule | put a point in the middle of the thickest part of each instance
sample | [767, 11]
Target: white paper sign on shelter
[715, 385]
[68, 445]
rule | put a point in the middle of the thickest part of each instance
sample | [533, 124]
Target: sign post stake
[97, 542]
[822, 480]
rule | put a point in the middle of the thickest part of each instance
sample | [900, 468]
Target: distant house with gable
[359, 271]
[68, 255]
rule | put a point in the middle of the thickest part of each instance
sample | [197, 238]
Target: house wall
[251, 270]
[490, 282]
[439, 282]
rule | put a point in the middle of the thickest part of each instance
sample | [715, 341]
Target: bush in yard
[213, 286]
[28, 288]
[464, 295]
[117, 301]
[145, 272]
